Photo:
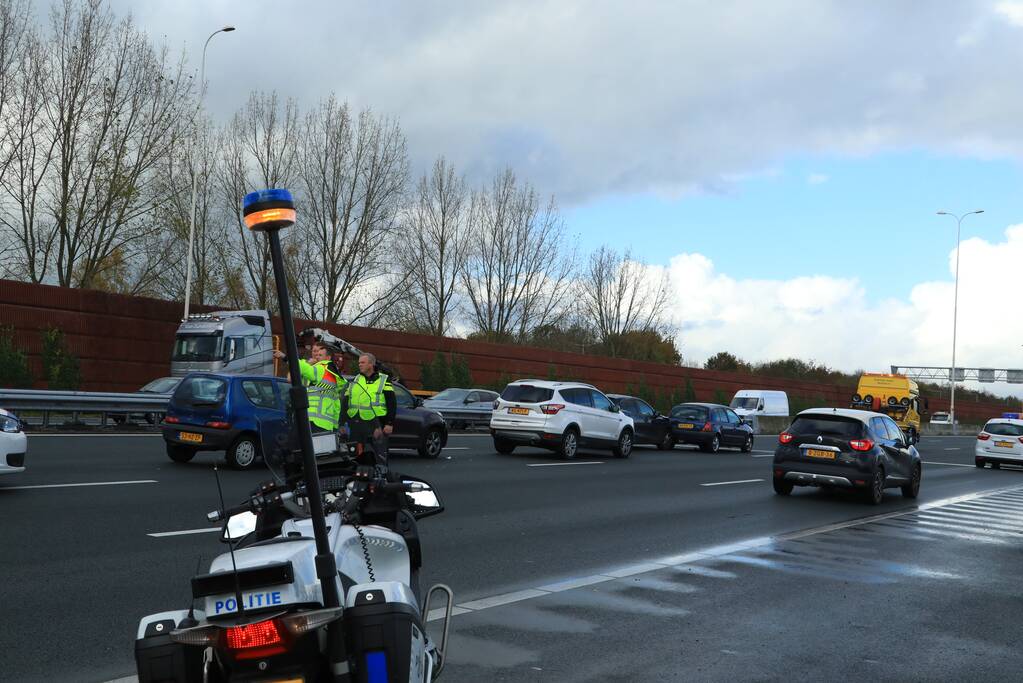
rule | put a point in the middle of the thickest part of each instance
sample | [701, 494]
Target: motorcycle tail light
[303, 622]
[253, 641]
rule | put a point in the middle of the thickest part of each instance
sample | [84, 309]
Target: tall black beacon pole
[269, 211]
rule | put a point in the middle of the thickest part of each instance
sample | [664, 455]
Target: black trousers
[362, 432]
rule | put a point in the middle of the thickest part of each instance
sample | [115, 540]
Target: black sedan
[651, 426]
[711, 427]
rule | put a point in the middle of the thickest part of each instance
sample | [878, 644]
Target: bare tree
[617, 295]
[115, 107]
[432, 249]
[259, 152]
[519, 267]
[353, 174]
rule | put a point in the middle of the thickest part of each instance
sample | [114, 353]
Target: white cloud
[1011, 12]
[830, 320]
[817, 178]
[589, 97]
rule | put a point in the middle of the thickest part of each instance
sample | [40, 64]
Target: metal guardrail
[466, 415]
[20, 401]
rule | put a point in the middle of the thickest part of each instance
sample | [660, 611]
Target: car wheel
[747, 447]
[782, 487]
[713, 446]
[242, 453]
[503, 447]
[912, 489]
[623, 448]
[875, 494]
[569, 444]
[432, 445]
[979, 462]
[179, 453]
[667, 443]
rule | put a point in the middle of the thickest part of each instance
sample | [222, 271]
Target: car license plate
[685, 425]
[1004, 444]
[519, 411]
[190, 437]
[818, 453]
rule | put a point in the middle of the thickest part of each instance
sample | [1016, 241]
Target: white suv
[561, 416]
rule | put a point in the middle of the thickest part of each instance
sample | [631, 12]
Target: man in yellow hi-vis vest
[325, 388]
[369, 403]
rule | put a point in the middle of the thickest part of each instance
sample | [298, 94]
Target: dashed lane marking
[950, 464]
[88, 483]
[560, 464]
[184, 532]
[726, 483]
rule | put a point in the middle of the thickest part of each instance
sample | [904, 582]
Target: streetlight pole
[955, 310]
[195, 145]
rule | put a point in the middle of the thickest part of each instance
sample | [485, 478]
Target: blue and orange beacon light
[268, 210]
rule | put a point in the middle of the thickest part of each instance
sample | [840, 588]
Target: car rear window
[526, 393]
[201, 390]
[1003, 429]
[689, 412]
[826, 425]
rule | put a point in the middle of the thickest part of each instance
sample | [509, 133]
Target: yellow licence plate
[519, 411]
[818, 453]
[685, 425]
[1004, 444]
[190, 437]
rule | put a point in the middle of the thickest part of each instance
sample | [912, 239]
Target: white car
[1000, 442]
[559, 416]
[941, 419]
[13, 444]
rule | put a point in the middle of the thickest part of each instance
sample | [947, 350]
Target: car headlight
[9, 424]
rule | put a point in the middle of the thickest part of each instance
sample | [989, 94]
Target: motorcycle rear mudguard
[386, 639]
[160, 660]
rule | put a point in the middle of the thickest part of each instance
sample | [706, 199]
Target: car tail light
[170, 419]
[983, 437]
[1021, 439]
[785, 437]
[219, 425]
[707, 427]
[861, 444]
[552, 408]
[252, 641]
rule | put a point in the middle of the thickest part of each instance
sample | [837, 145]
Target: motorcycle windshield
[282, 452]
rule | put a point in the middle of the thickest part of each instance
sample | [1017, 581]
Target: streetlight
[195, 140]
[955, 308]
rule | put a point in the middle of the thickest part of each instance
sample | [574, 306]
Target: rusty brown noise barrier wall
[122, 342]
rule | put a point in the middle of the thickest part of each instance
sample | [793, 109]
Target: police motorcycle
[321, 578]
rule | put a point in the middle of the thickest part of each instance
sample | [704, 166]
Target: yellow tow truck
[897, 396]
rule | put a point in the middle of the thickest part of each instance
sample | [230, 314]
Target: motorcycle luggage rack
[450, 603]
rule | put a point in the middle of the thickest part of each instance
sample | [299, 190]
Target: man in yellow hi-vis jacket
[369, 403]
[325, 386]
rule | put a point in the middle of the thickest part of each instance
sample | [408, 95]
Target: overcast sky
[783, 159]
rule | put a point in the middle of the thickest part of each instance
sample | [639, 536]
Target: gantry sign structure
[944, 374]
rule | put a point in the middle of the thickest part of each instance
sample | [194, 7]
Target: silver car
[462, 407]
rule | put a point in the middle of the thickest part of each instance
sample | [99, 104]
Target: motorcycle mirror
[238, 526]
[424, 500]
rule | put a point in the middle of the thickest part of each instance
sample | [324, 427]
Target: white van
[752, 403]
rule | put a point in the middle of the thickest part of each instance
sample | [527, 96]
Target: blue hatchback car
[210, 412]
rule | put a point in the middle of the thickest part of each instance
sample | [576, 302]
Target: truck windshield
[745, 403]
[197, 347]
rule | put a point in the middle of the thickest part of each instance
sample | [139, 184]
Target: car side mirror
[417, 402]
[615, 408]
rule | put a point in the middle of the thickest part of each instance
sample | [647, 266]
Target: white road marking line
[456, 448]
[953, 449]
[89, 483]
[726, 483]
[767, 452]
[558, 464]
[184, 532]
[950, 464]
[765, 455]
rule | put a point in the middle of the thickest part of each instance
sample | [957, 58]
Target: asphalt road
[560, 567]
